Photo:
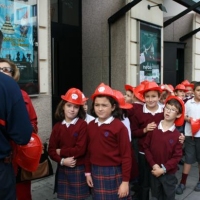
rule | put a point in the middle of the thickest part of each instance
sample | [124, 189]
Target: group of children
[136, 132]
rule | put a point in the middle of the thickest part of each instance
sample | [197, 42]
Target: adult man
[14, 125]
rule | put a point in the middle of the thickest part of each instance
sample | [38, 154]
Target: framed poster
[18, 25]
[150, 53]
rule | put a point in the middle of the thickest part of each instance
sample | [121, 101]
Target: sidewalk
[43, 189]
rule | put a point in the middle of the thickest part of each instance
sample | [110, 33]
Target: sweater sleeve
[176, 157]
[147, 151]
[53, 141]
[125, 152]
[136, 130]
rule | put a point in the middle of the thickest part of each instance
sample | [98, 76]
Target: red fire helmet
[28, 156]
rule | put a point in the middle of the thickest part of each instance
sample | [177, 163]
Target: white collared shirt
[72, 122]
[192, 109]
[108, 121]
[146, 110]
[172, 128]
[89, 118]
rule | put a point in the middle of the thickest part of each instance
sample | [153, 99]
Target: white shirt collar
[107, 121]
[146, 110]
[72, 122]
[172, 128]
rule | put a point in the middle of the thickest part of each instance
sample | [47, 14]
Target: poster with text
[150, 53]
[17, 25]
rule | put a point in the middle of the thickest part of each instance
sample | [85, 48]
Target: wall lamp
[160, 6]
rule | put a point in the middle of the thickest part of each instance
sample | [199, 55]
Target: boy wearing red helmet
[163, 150]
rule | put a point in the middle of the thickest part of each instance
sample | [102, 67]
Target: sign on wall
[150, 53]
[18, 23]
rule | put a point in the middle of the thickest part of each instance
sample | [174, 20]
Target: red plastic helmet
[150, 86]
[186, 83]
[137, 93]
[74, 96]
[195, 125]
[121, 100]
[128, 87]
[84, 99]
[103, 89]
[28, 156]
[180, 87]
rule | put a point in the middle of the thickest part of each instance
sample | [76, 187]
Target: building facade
[83, 43]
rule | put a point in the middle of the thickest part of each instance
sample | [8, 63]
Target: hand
[123, 190]
[58, 151]
[155, 166]
[150, 127]
[69, 162]
[157, 172]
[89, 180]
[181, 138]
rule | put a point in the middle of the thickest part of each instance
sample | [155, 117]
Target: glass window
[18, 24]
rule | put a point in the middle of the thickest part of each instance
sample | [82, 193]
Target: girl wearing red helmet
[67, 147]
[108, 160]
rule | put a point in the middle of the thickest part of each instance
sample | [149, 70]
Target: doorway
[66, 51]
[173, 63]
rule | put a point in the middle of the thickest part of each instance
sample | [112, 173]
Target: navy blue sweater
[14, 121]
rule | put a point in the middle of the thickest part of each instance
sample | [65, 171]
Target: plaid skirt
[71, 183]
[106, 182]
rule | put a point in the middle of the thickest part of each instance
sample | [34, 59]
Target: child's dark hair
[117, 113]
[60, 115]
[196, 84]
[176, 104]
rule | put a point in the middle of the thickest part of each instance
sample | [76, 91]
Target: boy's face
[180, 93]
[171, 113]
[128, 96]
[151, 99]
[189, 92]
[197, 94]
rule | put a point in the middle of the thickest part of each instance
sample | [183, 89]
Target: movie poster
[18, 25]
[150, 53]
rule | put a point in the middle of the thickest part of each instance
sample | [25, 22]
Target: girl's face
[128, 97]
[103, 108]
[197, 94]
[180, 93]
[70, 111]
[85, 106]
[7, 68]
[151, 100]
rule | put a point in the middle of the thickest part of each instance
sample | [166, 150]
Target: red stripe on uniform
[2, 122]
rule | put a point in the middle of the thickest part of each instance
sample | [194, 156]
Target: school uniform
[71, 138]
[163, 148]
[108, 157]
[192, 143]
[139, 122]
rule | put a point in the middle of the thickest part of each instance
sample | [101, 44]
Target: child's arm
[158, 171]
[175, 158]
[89, 180]
[147, 151]
[123, 189]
